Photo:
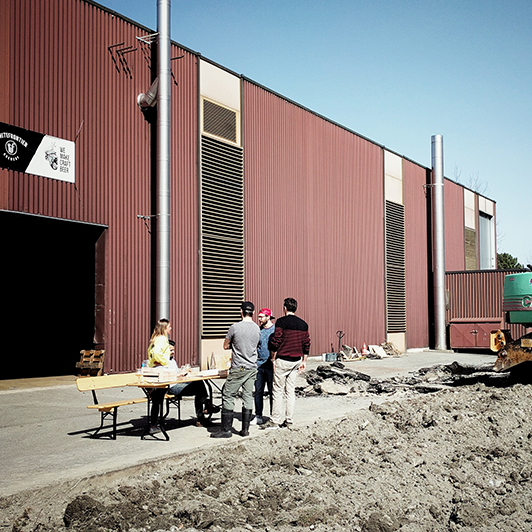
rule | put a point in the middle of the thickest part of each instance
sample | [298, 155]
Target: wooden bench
[118, 380]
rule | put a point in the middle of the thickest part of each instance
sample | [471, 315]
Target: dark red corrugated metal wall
[417, 255]
[5, 87]
[454, 226]
[478, 294]
[313, 220]
[68, 76]
[185, 207]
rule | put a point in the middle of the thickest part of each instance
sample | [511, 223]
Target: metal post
[163, 160]
[438, 242]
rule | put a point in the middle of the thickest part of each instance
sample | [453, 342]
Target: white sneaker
[257, 420]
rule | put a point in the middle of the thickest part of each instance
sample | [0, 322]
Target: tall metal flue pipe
[438, 242]
[162, 297]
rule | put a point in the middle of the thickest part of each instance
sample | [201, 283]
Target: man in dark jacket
[290, 346]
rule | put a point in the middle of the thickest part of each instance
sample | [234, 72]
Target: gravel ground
[454, 459]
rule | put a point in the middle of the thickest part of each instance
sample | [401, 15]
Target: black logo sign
[17, 147]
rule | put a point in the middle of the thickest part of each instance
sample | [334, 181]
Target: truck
[517, 304]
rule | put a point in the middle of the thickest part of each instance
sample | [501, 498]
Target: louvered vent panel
[395, 268]
[470, 249]
[222, 235]
[219, 121]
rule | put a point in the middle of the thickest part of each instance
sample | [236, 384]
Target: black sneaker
[269, 425]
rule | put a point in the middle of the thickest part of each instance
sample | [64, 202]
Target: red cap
[266, 312]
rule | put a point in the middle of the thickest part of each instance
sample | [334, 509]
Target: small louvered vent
[222, 236]
[219, 121]
[470, 249]
[395, 268]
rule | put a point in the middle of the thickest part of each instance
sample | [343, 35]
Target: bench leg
[103, 415]
[115, 412]
[176, 401]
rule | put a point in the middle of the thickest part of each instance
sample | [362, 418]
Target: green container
[517, 298]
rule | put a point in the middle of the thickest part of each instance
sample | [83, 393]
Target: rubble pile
[337, 379]
[391, 350]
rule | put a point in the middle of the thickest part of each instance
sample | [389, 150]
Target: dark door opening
[48, 310]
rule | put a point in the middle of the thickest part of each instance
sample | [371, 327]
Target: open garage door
[48, 270]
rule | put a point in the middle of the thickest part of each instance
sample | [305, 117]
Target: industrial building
[267, 200]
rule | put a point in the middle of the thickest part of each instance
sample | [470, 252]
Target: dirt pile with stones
[456, 459]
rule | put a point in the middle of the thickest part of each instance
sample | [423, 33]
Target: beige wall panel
[469, 209]
[393, 177]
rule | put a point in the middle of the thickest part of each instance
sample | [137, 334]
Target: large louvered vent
[219, 121]
[470, 249]
[222, 235]
[395, 268]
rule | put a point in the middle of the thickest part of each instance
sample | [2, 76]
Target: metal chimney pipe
[438, 242]
[162, 297]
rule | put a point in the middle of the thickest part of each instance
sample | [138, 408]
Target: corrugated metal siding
[418, 253]
[454, 226]
[314, 214]
[6, 24]
[185, 207]
[478, 294]
[68, 75]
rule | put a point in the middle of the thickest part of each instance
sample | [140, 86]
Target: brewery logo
[11, 149]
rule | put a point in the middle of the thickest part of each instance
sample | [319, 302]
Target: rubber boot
[227, 425]
[246, 420]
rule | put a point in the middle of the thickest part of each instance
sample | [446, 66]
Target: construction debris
[336, 379]
[386, 349]
[391, 350]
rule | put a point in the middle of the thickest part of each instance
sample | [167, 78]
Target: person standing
[242, 338]
[264, 364]
[290, 346]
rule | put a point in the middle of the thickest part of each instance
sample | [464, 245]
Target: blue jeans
[198, 389]
[264, 379]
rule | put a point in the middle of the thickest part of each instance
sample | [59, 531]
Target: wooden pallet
[91, 362]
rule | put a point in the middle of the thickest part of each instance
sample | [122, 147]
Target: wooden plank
[106, 407]
[115, 380]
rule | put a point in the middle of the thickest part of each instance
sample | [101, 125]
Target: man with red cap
[264, 377]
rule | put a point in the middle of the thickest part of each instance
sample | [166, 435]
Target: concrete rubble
[337, 379]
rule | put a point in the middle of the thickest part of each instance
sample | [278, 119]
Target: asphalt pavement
[46, 427]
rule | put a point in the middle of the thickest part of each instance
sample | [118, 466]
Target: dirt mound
[457, 459]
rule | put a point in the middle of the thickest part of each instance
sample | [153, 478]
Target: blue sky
[396, 72]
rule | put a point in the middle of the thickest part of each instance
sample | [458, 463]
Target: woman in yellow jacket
[160, 353]
[160, 350]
